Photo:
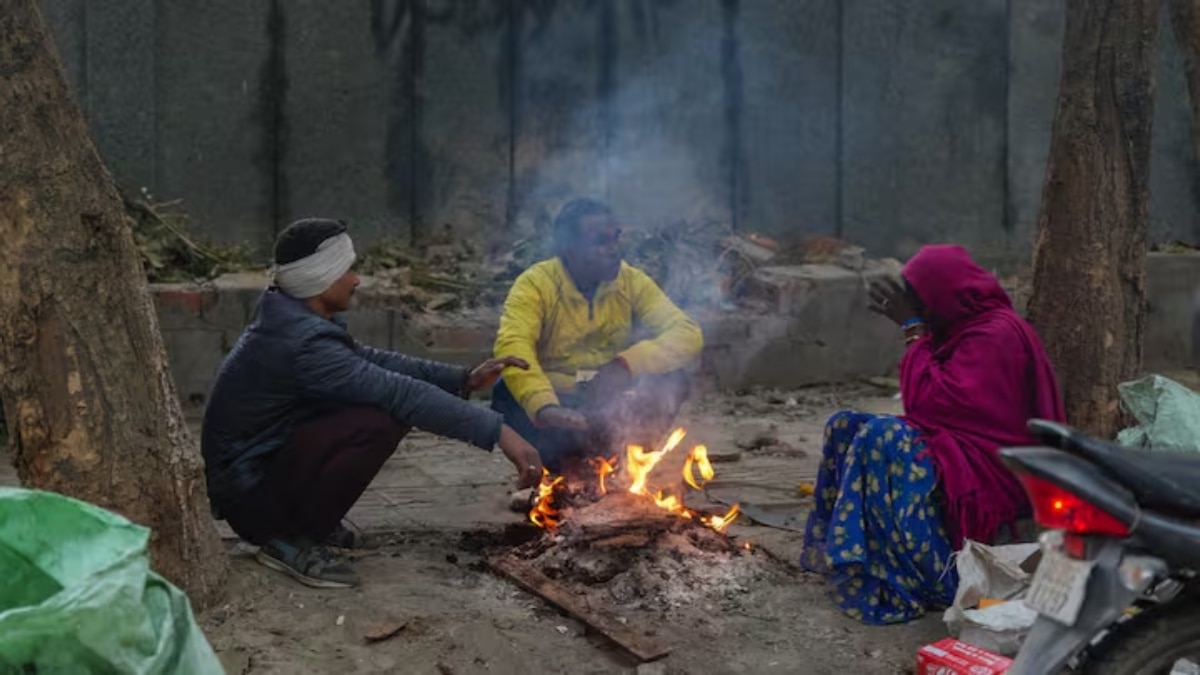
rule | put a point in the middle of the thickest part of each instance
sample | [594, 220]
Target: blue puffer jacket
[292, 364]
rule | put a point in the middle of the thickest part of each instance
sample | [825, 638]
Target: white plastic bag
[991, 572]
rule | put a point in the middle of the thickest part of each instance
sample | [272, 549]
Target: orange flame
[698, 458]
[670, 503]
[544, 514]
[719, 523]
[604, 468]
[639, 463]
[636, 470]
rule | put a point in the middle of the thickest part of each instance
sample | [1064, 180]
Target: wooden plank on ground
[532, 580]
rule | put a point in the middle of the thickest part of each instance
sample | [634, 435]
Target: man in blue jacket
[302, 417]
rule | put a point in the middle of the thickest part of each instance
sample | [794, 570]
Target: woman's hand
[888, 299]
[523, 456]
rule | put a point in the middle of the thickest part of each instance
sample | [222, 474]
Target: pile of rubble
[698, 265]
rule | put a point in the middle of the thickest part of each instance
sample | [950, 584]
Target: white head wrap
[311, 276]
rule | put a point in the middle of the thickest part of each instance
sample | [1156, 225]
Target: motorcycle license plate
[1059, 586]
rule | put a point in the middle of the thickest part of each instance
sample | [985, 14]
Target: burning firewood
[544, 514]
[633, 475]
[624, 545]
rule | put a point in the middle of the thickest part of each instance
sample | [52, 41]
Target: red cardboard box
[951, 657]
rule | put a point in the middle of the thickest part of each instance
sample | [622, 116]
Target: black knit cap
[301, 238]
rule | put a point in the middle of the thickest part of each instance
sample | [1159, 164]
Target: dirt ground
[438, 505]
[461, 618]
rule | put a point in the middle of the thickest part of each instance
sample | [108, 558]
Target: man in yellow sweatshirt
[607, 349]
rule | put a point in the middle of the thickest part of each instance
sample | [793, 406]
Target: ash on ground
[624, 552]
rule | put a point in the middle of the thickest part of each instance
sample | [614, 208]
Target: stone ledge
[819, 332]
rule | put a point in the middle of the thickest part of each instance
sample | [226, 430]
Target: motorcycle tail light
[1056, 508]
[1075, 546]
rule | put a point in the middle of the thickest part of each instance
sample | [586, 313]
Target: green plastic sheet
[1167, 414]
[77, 595]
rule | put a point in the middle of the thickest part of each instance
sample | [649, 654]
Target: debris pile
[167, 250]
[700, 264]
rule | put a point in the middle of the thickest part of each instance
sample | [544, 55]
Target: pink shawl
[971, 386]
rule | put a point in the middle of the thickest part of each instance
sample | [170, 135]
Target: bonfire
[633, 476]
[622, 548]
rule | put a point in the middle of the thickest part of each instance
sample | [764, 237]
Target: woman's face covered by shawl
[947, 287]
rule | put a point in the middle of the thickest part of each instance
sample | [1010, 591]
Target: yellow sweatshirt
[549, 323]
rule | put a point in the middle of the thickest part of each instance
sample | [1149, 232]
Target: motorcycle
[1116, 588]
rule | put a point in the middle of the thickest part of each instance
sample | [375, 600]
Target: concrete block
[1174, 177]
[923, 115]
[465, 123]
[937, 129]
[410, 334]
[465, 339]
[372, 327]
[1172, 281]
[182, 307]
[122, 39]
[200, 324]
[667, 155]
[821, 331]
[1034, 58]
[722, 328]
[791, 288]
[195, 356]
[67, 21]
[337, 118]
[214, 125]
[559, 144]
[789, 53]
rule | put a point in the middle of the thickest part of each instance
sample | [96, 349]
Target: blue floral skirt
[876, 528]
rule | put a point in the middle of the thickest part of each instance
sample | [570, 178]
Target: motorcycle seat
[1168, 482]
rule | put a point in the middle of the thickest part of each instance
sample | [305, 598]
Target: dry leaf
[384, 631]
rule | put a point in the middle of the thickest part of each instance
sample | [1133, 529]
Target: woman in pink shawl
[897, 496]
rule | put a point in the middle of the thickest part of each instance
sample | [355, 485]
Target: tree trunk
[1089, 279]
[1185, 19]
[90, 404]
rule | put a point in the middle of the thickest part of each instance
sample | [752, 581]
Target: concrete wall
[818, 330]
[892, 122]
[1171, 283]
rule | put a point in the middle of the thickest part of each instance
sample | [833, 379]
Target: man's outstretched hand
[523, 456]
[485, 374]
[612, 379]
[558, 417]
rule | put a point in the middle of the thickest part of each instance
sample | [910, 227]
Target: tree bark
[89, 400]
[1089, 283]
[1185, 20]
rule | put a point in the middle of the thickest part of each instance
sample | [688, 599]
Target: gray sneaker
[310, 564]
[344, 537]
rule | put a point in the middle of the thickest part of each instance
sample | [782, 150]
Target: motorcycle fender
[1050, 645]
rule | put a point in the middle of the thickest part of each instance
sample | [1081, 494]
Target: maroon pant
[313, 481]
